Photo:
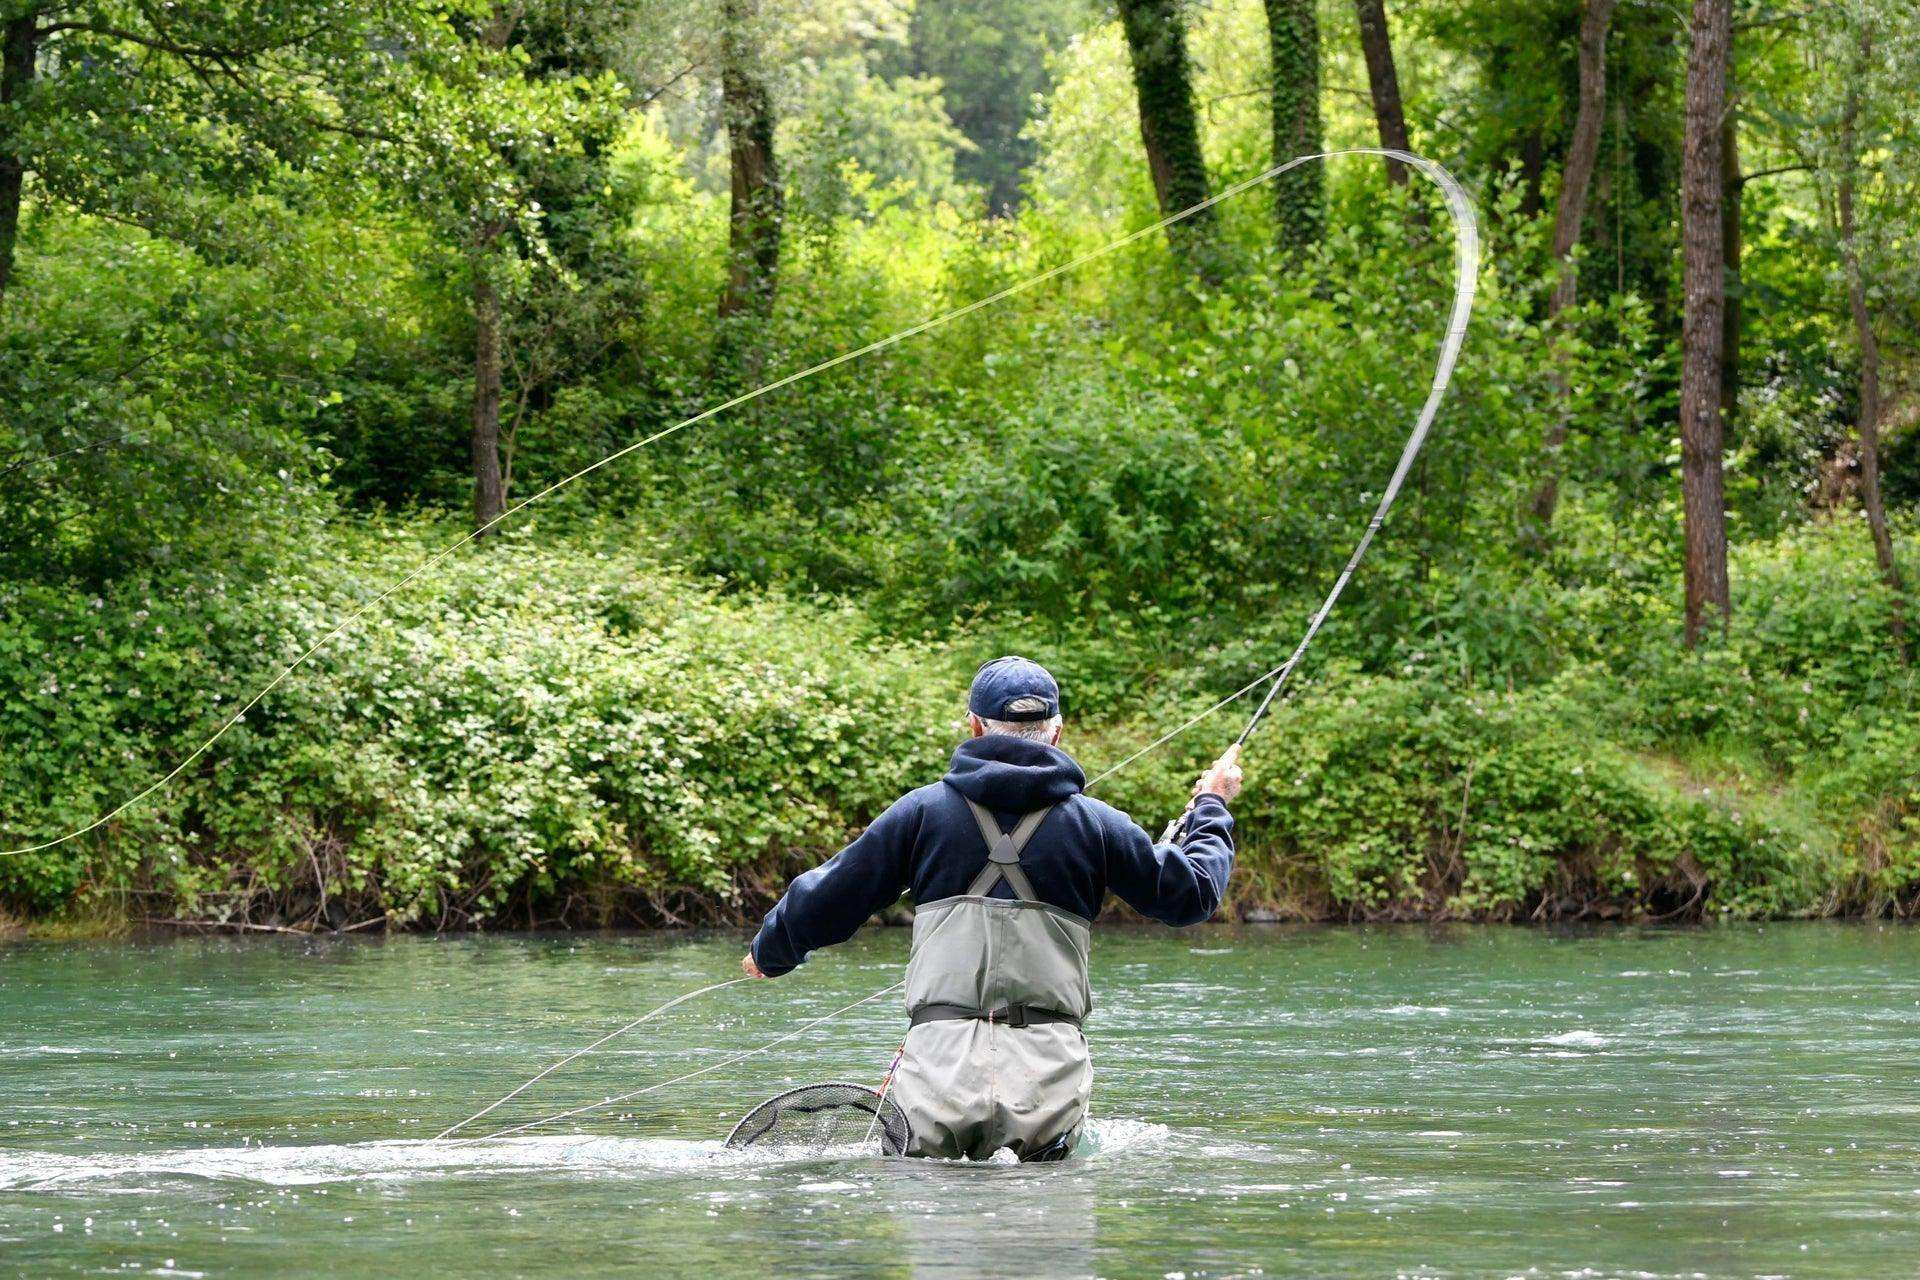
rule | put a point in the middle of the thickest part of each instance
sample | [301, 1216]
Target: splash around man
[1008, 862]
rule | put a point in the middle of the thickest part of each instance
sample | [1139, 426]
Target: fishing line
[1467, 255]
[742, 1056]
[581, 1053]
[1465, 265]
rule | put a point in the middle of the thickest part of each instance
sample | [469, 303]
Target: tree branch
[647, 98]
[1757, 174]
[155, 42]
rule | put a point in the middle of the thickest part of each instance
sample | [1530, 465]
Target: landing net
[820, 1119]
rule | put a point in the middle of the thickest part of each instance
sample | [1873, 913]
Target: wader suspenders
[1003, 852]
[1003, 863]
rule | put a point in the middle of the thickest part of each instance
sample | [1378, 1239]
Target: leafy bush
[562, 728]
[1407, 797]
[535, 721]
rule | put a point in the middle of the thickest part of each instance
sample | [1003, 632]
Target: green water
[1732, 1102]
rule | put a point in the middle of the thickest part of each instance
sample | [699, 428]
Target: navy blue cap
[1004, 681]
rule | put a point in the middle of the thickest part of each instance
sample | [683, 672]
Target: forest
[295, 294]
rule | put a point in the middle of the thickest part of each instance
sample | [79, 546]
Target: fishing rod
[1466, 272]
[1466, 236]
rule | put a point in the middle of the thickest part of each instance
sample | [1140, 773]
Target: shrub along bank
[559, 728]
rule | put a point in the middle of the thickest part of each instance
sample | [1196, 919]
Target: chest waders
[996, 989]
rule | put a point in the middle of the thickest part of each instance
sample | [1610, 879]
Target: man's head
[1016, 697]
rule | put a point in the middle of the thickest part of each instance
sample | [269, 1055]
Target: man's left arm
[828, 904]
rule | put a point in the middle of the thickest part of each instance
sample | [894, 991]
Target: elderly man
[1008, 862]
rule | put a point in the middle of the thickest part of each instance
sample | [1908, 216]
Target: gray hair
[1035, 730]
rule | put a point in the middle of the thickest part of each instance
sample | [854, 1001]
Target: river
[1269, 1101]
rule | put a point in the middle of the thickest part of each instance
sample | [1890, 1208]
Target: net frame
[873, 1115]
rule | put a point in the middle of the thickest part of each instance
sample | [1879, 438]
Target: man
[1008, 862]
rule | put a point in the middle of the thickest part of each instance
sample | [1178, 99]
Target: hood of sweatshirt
[1013, 775]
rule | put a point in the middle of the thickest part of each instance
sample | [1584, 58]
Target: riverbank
[586, 736]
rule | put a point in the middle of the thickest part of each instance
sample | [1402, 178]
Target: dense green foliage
[578, 732]
[703, 666]
[566, 717]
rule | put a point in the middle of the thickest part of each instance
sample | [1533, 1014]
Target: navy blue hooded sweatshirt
[929, 844]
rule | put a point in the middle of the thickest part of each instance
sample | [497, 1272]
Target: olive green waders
[996, 989]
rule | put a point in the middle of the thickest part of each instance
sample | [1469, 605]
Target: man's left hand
[749, 967]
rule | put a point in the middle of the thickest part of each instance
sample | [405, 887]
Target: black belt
[1013, 1015]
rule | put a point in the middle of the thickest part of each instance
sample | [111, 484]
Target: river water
[1268, 1101]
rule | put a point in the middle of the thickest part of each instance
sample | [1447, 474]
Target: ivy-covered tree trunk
[1576, 179]
[758, 206]
[1702, 479]
[489, 483]
[1299, 195]
[1383, 83]
[1869, 343]
[1169, 129]
[22, 40]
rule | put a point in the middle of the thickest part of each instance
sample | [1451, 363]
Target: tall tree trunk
[1702, 482]
[1576, 179]
[1870, 406]
[1533, 174]
[22, 40]
[483, 436]
[489, 484]
[758, 205]
[1169, 129]
[1733, 191]
[1583, 153]
[1383, 81]
[1299, 195]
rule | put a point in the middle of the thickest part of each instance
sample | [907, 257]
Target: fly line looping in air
[1466, 272]
[1466, 256]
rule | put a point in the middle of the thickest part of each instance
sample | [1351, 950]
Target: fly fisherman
[1008, 862]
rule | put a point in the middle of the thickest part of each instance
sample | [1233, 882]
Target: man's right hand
[1223, 778]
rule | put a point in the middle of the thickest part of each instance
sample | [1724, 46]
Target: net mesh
[817, 1118]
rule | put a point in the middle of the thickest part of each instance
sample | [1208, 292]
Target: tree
[992, 61]
[193, 144]
[483, 440]
[756, 203]
[1860, 310]
[1169, 129]
[498, 123]
[1702, 480]
[1299, 195]
[1383, 83]
[19, 54]
[1733, 186]
[139, 112]
[1517, 129]
[1569, 215]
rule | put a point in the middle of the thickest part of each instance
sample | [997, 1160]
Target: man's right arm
[1181, 881]
[1175, 883]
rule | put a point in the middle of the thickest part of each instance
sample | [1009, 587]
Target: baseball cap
[1004, 681]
